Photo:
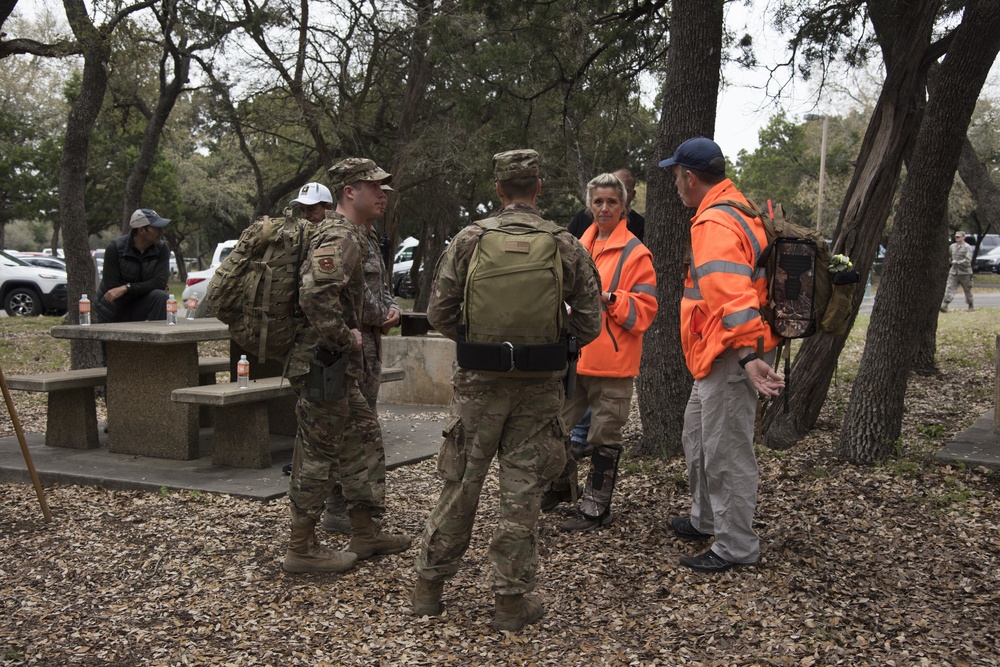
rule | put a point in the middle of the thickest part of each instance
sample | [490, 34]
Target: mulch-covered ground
[891, 565]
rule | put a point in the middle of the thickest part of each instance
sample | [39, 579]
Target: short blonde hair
[607, 181]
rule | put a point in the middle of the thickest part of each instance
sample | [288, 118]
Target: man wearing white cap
[136, 268]
[314, 201]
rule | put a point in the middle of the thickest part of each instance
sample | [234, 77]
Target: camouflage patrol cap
[354, 169]
[520, 163]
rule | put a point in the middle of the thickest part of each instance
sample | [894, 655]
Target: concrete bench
[71, 415]
[242, 428]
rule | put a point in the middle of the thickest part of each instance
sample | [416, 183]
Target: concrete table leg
[241, 438]
[72, 419]
[141, 417]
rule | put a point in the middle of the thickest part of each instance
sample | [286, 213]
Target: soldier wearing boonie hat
[516, 405]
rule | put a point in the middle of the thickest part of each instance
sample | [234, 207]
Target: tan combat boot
[513, 612]
[367, 538]
[335, 518]
[305, 555]
[426, 597]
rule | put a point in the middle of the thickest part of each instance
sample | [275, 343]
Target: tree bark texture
[874, 413]
[690, 97]
[418, 75]
[925, 345]
[83, 113]
[865, 209]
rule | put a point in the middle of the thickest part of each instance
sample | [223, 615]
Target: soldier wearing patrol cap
[331, 414]
[360, 193]
[503, 414]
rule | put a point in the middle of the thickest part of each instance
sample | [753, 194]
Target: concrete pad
[409, 433]
[978, 445]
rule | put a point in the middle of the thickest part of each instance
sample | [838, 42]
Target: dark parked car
[987, 263]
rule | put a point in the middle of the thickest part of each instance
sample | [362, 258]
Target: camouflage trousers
[954, 281]
[609, 400]
[517, 421]
[370, 431]
[329, 448]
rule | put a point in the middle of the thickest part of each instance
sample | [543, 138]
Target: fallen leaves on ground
[889, 565]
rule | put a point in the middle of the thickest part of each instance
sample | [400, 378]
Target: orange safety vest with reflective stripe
[626, 268]
[723, 289]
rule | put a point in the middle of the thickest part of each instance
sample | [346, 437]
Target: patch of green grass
[819, 472]
[26, 347]
[13, 655]
[900, 467]
[932, 431]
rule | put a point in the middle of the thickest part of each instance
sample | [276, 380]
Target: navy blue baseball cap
[698, 153]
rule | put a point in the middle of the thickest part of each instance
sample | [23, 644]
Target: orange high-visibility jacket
[626, 268]
[723, 289]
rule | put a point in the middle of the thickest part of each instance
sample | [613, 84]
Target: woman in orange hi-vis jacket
[607, 366]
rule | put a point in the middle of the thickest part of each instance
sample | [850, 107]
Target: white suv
[197, 281]
[31, 290]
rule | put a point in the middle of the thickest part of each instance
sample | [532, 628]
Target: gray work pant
[722, 469]
[954, 280]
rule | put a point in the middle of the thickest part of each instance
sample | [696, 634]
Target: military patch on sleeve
[327, 263]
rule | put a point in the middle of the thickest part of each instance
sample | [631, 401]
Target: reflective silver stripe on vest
[645, 289]
[746, 230]
[626, 251]
[633, 315]
[692, 293]
[722, 266]
[733, 320]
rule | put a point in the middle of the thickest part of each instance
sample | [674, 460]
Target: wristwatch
[128, 287]
[747, 359]
[612, 297]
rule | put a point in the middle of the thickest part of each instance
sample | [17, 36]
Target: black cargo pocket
[451, 458]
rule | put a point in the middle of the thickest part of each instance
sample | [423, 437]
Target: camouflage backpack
[255, 289]
[808, 288]
[513, 308]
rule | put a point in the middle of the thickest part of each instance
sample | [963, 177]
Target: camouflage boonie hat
[354, 169]
[521, 163]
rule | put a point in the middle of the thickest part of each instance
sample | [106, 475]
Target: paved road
[984, 298]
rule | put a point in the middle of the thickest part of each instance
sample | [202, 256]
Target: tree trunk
[418, 76]
[169, 92]
[866, 207]
[83, 113]
[874, 413]
[690, 98]
[925, 348]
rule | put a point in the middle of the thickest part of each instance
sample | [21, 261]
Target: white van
[403, 261]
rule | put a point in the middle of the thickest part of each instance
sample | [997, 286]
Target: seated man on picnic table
[136, 268]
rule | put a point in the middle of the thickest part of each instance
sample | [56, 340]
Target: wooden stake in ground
[24, 447]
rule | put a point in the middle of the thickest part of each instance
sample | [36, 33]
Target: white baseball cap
[312, 193]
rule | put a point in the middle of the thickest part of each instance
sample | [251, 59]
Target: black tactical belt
[505, 357]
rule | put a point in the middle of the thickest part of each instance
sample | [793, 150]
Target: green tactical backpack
[513, 296]
[255, 289]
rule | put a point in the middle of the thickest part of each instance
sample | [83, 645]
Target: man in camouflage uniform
[960, 273]
[495, 414]
[380, 313]
[327, 444]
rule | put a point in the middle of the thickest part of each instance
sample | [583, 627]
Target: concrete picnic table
[146, 361]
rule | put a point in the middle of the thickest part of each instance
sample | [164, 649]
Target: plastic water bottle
[171, 310]
[192, 305]
[84, 310]
[243, 373]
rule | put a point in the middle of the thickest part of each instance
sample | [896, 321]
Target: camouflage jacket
[581, 283]
[378, 298]
[331, 292]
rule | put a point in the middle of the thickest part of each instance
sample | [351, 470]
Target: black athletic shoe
[682, 526]
[286, 469]
[708, 562]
